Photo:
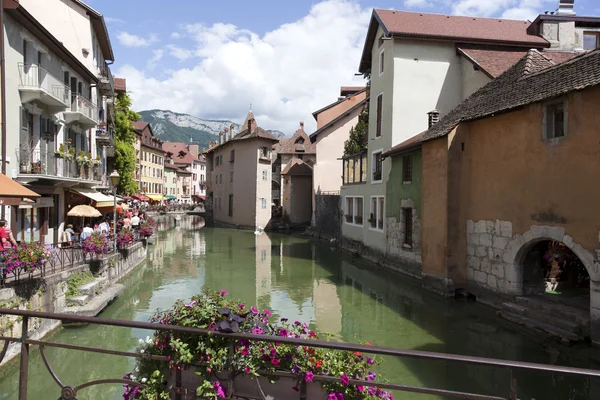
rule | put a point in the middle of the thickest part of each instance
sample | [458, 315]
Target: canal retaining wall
[49, 293]
[328, 216]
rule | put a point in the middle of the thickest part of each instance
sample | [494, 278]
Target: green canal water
[324, 287]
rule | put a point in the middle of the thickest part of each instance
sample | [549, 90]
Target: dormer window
[591, 40]
[299, 141]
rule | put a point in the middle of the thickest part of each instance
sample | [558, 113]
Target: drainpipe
[2, 94]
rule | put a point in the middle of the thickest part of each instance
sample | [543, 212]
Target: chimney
[220, 137]
[565, 7]
[227, 135]
[302, 125]
[433, 118]
[232, 131]
[249, 125]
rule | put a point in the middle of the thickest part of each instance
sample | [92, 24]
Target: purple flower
[372, 375]
[345, 380]
[223, 292]
[360, 388]
[268, 313]
[219, 389]
[192, 304]
[254, 310]
[257, 331]
[242, 306]
[335, 396]
[370, 361]
[308, 377]
[284, 320]
[244, 351]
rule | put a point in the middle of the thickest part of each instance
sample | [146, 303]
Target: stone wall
[328, 215]
[486, 267]
[48, 294]
[395, 235]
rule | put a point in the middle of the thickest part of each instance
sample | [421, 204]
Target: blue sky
[212, 58]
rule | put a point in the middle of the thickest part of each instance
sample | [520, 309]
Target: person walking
[135, 222]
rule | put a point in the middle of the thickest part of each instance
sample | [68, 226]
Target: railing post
[24, 362]
[513, 386]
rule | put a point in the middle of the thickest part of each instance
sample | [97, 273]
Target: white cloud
[116, 21]
[131, 40]
[417, 3]
[286, 74]
[176, 35]
[511, 9]
[180, 53]
[157, 55]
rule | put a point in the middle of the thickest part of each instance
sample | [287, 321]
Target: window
[377, 164]
[407, 169]
[264, 152]
[376, 215]
[379, 107]
[381, 62]
[231, 177]
[407, 226]
[265, 174]
[231, 205]
[263, 203]
[555, 120]
[25, 52]
[202, 168]
[354, 210]
[591, 40]
[219, 203]
[355, 169]
[232, 156]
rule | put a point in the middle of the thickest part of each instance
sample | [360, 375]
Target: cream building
[170, 181]
[152, 160]
[239, 177]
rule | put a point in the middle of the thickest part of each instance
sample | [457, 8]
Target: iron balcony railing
[106, 78]
[33, 76]
[84, 106]
[49, 164]
[180, 393]
[105, 135]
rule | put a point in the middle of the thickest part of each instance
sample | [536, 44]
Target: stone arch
[520, 245]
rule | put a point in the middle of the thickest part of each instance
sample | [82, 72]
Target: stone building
[509, 195]
[151, 161]
[294, 159]
[239, 177]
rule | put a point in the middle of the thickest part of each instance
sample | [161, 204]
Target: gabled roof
[99, 26]
[533, 79]
[120, 85]
[180, 152]
[255, 132]
[139, 125]
[494, 62]
[448, 28]
[298, 143]
[357, 106]
[297, 167]
[339, 101]
[410, 144]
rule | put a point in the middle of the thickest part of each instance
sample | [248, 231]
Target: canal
[324, 287]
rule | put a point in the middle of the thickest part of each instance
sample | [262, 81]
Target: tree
[124, 149]
[357, 141]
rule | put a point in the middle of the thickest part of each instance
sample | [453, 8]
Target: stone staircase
[565, 323]
[94, 297]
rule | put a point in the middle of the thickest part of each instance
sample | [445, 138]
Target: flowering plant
[124, 237]
[210, 355]
[97, 244]
[146, 230]
[27, 257]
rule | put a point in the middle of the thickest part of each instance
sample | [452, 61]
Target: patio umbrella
[84, 211]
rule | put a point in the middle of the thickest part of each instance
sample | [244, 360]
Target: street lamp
[114, 180]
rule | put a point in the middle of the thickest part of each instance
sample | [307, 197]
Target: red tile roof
[254, 132]
[298, 143]
[449, 28]
[180, 152]
[120, 84]
[139, 125]
[409, 144]
[495, 62]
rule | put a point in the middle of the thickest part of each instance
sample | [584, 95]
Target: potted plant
[124, 238]
[348, 218]
[209, 367]
[146, 230]
[27, 257]
[96, 245]
[81, 162]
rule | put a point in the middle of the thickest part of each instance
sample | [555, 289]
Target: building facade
[170, 181]
[239, 177]
[152, 161]
[58, 106]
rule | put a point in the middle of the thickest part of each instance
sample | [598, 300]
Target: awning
[155, 197]
[94, 195]
[100, 204]
[170, 197]
[140, 197]
[40, 202]
[12, 193]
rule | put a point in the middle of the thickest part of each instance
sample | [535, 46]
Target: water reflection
[319, 285]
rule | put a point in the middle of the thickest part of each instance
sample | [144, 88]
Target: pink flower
[275, 362]
[345, 380]
[308, 377]
[245, 351]
[257, 331]
[268, 313]
[223, 292]
[242, 306]
[247, 370]
[254, 310]
[219, 389]
[360, 388]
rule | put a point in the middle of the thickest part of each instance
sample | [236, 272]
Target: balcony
[105, 137]
[107, 83]
[35, 83]
[40, 165]
[83, 112]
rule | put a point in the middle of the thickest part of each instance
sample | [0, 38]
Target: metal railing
[180, 393]
[33, 76]
[105, 135]
[82, 105]
[107, 76]
[37, 162]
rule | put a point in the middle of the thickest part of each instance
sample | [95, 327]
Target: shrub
[97, 244]
[125, 237]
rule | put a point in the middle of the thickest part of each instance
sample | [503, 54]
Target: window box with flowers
[25, 259]
[124, 238]
[214, 365]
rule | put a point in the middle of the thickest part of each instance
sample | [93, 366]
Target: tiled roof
[359, 105]
[139, 125]
[254, 132]
[180, 152]
[409, 144]
[304, 168]
[450, 28]
[533, 79]
[120, 84]
[170, 166]
[289, 146]
[335, 103]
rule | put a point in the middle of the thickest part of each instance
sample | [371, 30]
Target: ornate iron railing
[178, 393]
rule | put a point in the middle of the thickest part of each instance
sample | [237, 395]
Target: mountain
[170, 126]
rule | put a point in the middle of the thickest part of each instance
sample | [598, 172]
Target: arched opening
[551, 268]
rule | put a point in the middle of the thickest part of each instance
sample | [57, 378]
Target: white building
[54, 104]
